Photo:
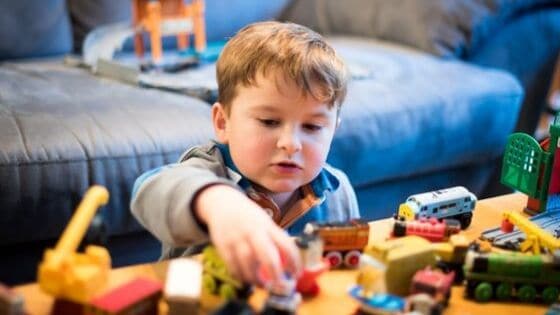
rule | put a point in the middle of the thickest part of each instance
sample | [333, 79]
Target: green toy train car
[216, 279]
[507, 275]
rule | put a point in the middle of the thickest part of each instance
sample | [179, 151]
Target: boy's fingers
[245, 258]
[288, 250]
[230, 260]
[268, 257]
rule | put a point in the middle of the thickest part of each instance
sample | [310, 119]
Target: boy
[280, 91]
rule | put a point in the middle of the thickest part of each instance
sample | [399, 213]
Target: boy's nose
[289, 141]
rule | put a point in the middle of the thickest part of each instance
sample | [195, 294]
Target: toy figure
[311, 249]
[283, 299]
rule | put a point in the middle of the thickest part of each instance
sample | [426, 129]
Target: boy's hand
[245, 236]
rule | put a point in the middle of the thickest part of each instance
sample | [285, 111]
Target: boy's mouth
[288, 164]
[287, 167]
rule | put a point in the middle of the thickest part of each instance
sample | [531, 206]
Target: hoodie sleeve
[162, 199]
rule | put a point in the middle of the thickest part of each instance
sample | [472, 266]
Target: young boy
[280, 91]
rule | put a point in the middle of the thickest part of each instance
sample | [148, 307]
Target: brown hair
[299, 53]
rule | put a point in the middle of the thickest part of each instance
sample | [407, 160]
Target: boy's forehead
[277, 82]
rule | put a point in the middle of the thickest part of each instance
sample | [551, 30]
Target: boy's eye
[269, 122]
[312, 127]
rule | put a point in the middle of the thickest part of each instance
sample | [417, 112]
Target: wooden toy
[431, 229]
[183, 286]
[66, 274]
[456, 202]
[168, 17]
[400, 258]
[343, 241]
[508, 274]
[433, 282]
[138, 297]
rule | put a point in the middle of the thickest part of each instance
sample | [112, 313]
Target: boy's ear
[219, 120]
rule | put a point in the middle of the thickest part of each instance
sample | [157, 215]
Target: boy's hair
[299, 53]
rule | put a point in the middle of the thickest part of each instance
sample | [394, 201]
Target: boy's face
[278, 138]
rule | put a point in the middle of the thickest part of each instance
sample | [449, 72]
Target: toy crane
[536, 237]
[168, 17]
[73, 276]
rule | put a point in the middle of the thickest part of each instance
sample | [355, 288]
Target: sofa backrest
[36, 28]
[33, 28]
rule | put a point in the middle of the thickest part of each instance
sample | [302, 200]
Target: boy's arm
[162, 202]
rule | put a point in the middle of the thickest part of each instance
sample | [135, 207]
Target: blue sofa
[422, 112]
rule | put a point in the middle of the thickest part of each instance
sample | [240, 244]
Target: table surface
[333, 298]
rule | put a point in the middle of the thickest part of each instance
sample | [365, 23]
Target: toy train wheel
[465, 220]
[352, 259]
[483, 292]
[399, 228]
[526, 293]
[334, 258]
[550, 294]
[503, 291]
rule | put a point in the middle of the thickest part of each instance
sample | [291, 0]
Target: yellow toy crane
[66, 274]
[536, 237]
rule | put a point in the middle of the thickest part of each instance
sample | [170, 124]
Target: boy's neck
[283, 200]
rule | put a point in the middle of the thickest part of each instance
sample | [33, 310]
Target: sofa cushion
[32, 28]
[63, 130]
[408, 112]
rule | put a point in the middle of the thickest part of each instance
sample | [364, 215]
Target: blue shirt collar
[323, 182]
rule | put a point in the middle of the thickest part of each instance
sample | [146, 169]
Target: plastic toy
[531, 168]
[183, 286]
[379, 303]
[311, 249]
[66, 274]
[535, 237]
[216, 279]
[168, 17]
[456, 202]
[508, 274]
[343, 241]
[11, 303]
[431, 229]
[140, 296]
[433, 282]
[283, 299]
